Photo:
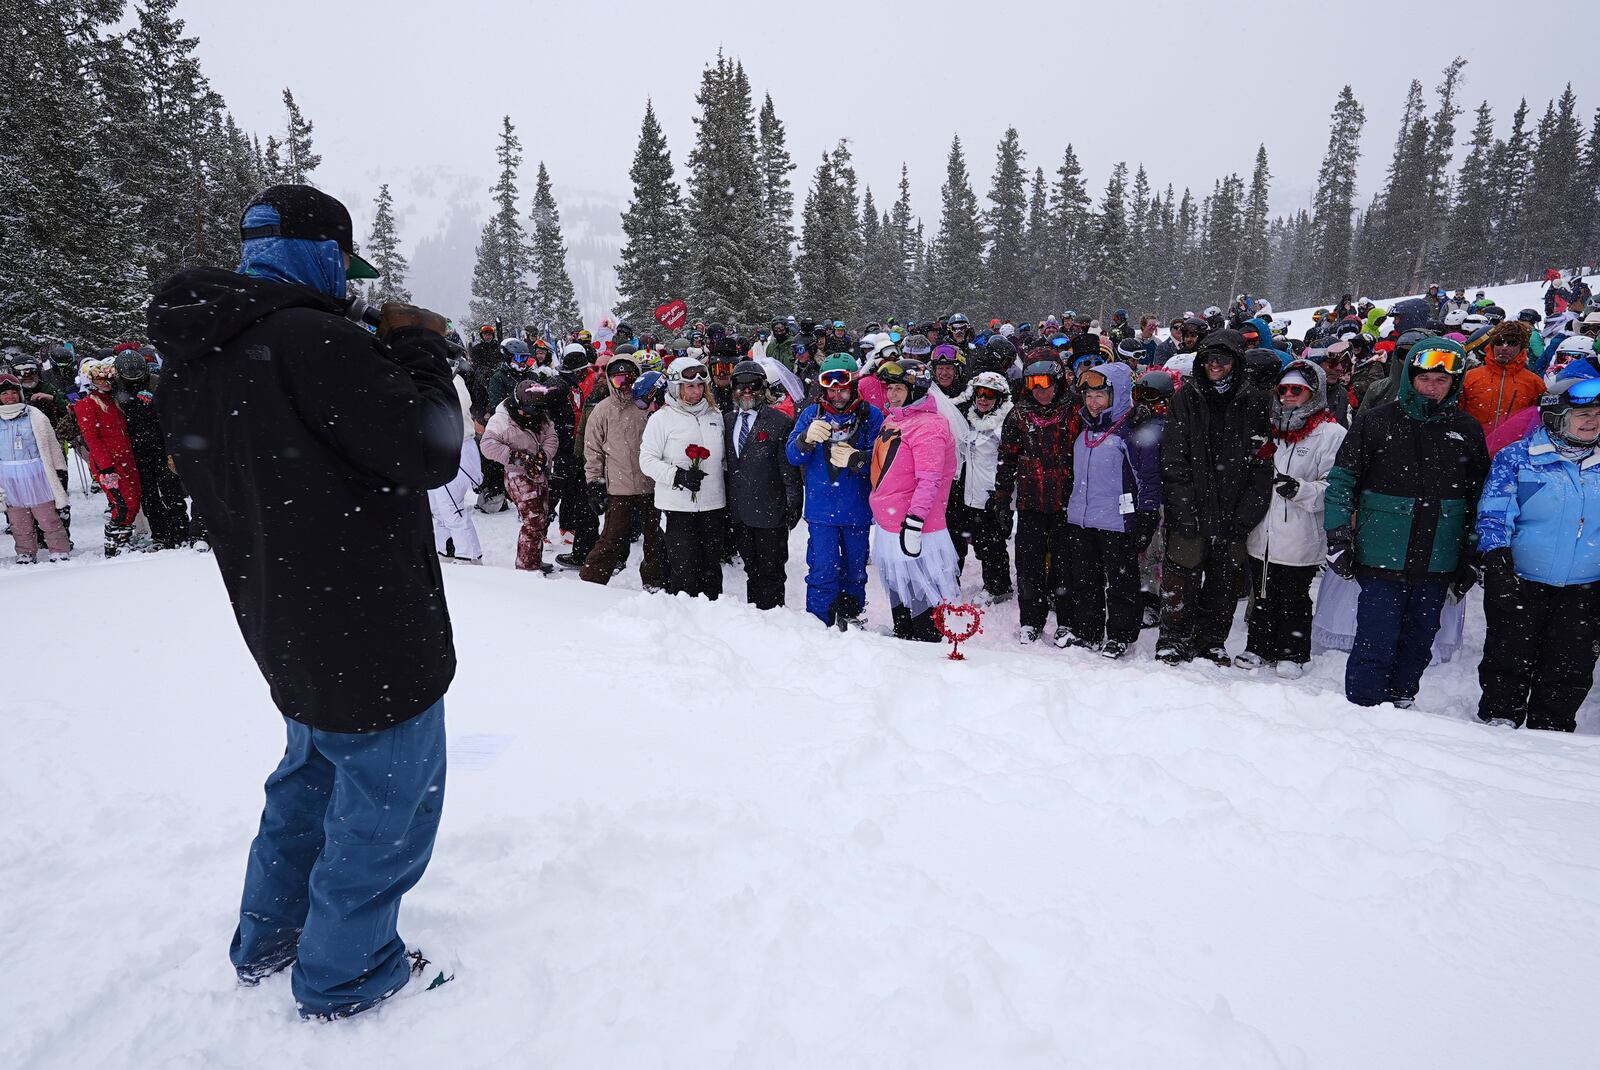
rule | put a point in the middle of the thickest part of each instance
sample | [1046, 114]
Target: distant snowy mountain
[440, 210]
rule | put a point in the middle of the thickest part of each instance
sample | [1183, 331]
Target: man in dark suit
[764, 489]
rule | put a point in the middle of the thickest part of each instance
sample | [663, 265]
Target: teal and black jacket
[1407, 479]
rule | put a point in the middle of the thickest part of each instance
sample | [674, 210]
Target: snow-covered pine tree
[1589, 249]
[1069, 222]
[1254, 246]
[1035, 294]
[1005, 268]
[1333, 204]
[655, 257]
[1396, 225]
[553, 298]
[1108, 248]
[882, 269]
[1135, 294]
[903, 232]
[1441, 150]
[955, 267]
[830, 238]
[1554, 187]
[777, 282]
[725, 199]
[500, 286]
[71, 267]
[383, 252]
[1469, 252]
[1186, 254]
[299, 160]
[272, 162]
[1511, 160]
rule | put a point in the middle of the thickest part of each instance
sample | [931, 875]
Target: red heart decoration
[973, 616]
[672, 315]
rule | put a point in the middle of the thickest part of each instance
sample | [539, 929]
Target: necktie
[744, 430]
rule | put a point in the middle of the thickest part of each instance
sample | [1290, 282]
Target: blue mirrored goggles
[1584, 393]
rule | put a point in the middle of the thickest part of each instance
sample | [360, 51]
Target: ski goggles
[1584, 394]
[1148, 395]
[697, 373]
[946, 355]
[984, 392]
[1089, 379]
[1087, 361]
[722, 367]
[1437, 360]
[834, 378]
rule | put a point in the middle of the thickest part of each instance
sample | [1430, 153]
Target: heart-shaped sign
[672, 315]
[945, 618]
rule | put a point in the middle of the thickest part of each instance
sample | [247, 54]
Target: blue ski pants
[836, 564]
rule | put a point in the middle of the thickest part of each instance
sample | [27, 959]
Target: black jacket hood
[199, 310]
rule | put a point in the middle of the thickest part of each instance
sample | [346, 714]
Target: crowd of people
[1109, 478]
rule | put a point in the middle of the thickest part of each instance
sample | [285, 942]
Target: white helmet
[1263, 307]
[1575, 346]
[992, 381]
[1455, 317]
[1475, 320]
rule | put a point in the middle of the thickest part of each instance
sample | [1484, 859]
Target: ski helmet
[1455, 317]
[575, 358]
[531, 396]
[131, 367]
[649, 388]
[747, 373]
[992, 381]
[622, 364]
[516, 351]
[1563, 397]
[912, 374]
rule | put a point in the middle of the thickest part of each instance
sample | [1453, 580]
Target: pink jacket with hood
[913, 465]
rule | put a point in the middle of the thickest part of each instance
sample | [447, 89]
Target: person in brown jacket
[1503, 384]
[618, 489]
[521, 436]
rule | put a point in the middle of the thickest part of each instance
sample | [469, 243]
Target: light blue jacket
[1546, 509]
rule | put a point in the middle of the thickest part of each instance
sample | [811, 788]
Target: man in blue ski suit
[838, 516]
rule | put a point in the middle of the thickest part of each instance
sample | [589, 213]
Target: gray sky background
[1190, 89]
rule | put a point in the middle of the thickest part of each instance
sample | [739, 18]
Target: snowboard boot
[569, 561]
[1065, 638]
[847, 613]
[1217, 656]
[1173, 652]
[117, 539]
[26, 559]
[1113, 649]
[922, 628]
[1027, 634]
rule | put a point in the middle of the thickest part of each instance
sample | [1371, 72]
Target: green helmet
[838, 361]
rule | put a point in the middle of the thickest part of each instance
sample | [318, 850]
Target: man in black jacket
[309, 446]
[764, 489]
[486, 358]
[1216, 472]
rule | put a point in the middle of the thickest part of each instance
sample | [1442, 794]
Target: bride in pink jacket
[913, 464]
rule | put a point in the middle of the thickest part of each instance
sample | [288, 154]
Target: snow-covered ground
[1513, 297]
[685, 834]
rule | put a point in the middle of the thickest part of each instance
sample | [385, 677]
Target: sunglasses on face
[1087, 362]
[1507, 343]
[1217, 358]
[1292, 390]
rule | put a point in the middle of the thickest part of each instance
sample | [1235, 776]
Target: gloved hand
[818, 431]
[599, 500]
[843, 455]
[791, 515]
[1466, 577]
[1342, 552]
[522, 457]
[1499, 573]
[1144, 529]
[911, 536]
[689, 479]
[110, 481]
[1287, 486]
[397, 314]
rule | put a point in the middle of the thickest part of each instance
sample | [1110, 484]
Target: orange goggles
[1034, 382]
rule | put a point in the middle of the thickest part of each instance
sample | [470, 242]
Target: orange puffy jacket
[1494, 391]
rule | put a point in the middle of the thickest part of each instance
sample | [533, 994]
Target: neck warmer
[11, 412]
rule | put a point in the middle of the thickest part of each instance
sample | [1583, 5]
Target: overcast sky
[1187, 88]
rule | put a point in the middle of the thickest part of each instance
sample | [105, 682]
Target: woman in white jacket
[1288, 545]
[455, 536]
[971, 521]
[682, 451]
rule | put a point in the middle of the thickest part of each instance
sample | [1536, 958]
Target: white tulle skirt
[922, 582]
[1333, 625]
